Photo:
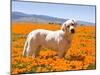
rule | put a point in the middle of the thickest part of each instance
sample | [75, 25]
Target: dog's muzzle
[72, 30]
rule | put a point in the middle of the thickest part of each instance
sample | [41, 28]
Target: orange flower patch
[80, 56]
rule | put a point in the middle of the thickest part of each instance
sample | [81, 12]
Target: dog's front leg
[61, 53]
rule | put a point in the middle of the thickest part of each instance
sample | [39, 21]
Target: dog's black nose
[72, 31]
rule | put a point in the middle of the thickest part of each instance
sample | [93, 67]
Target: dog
[59, 40]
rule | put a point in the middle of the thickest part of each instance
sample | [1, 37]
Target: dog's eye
[68, 26]
[72, 24]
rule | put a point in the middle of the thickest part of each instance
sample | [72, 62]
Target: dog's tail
[25, 47]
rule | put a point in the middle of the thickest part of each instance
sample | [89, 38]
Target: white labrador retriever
[59, 40]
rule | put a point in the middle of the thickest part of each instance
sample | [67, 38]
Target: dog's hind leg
[36, 51]
[29, 49]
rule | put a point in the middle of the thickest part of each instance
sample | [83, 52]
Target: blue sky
[78, 12]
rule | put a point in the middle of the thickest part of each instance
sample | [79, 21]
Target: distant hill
[85, 23]
[22, 17]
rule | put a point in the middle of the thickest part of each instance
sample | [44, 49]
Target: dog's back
[38, 36]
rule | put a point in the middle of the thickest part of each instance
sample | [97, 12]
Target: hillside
[22, 17]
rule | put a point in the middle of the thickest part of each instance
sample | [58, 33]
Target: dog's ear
[75, 22]
[64, 27]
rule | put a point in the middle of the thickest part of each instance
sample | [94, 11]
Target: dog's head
[69, 26]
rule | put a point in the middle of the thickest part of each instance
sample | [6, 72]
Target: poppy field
[80, 56]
